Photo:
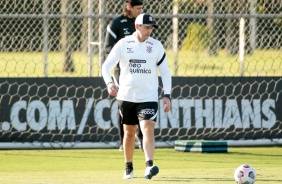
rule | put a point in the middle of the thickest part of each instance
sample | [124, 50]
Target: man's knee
[129, 131]
[130, 134]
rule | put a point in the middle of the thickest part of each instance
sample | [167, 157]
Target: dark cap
[145, 19]
[135, 2]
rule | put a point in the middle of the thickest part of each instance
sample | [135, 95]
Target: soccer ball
[245, 174]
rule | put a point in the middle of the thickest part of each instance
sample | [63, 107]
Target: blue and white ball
[245, 174]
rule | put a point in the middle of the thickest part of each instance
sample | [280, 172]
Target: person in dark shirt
[120, 27]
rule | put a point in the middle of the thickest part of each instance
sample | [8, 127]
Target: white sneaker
[128, 175]
[151, 171]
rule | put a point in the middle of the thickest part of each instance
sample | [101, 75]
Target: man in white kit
[140, 58]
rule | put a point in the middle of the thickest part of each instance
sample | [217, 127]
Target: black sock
[149, 163]
[129, 166]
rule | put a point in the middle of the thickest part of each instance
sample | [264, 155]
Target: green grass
[31, 64]
[105, 166]
[259, 63]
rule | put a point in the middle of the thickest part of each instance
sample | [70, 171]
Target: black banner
[80, 109]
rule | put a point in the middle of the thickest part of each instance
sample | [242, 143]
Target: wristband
[168, 96]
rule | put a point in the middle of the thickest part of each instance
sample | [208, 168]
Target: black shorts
[132, 113]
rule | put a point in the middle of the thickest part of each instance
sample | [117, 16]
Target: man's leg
[121, 132]
[147, 127]
[129, 142]
[119, 118]
[129, 146]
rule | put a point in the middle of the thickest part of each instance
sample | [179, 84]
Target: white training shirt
[139, 65]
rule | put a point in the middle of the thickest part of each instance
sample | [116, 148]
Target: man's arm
[165, 74]
[111, 36]
[166, 79]
[112, 59]
[110, 41]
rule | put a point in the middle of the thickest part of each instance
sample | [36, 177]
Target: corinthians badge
[149, 49]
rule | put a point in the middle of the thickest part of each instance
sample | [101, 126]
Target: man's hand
[112, 89]
[166, 104]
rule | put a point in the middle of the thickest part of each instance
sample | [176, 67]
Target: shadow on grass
[255, 154]
[180, 179]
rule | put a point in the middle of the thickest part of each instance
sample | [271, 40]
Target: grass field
[105, 166]
[31, 64]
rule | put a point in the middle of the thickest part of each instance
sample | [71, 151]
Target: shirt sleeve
[112, 59]
[164, 71]
[111, 36]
